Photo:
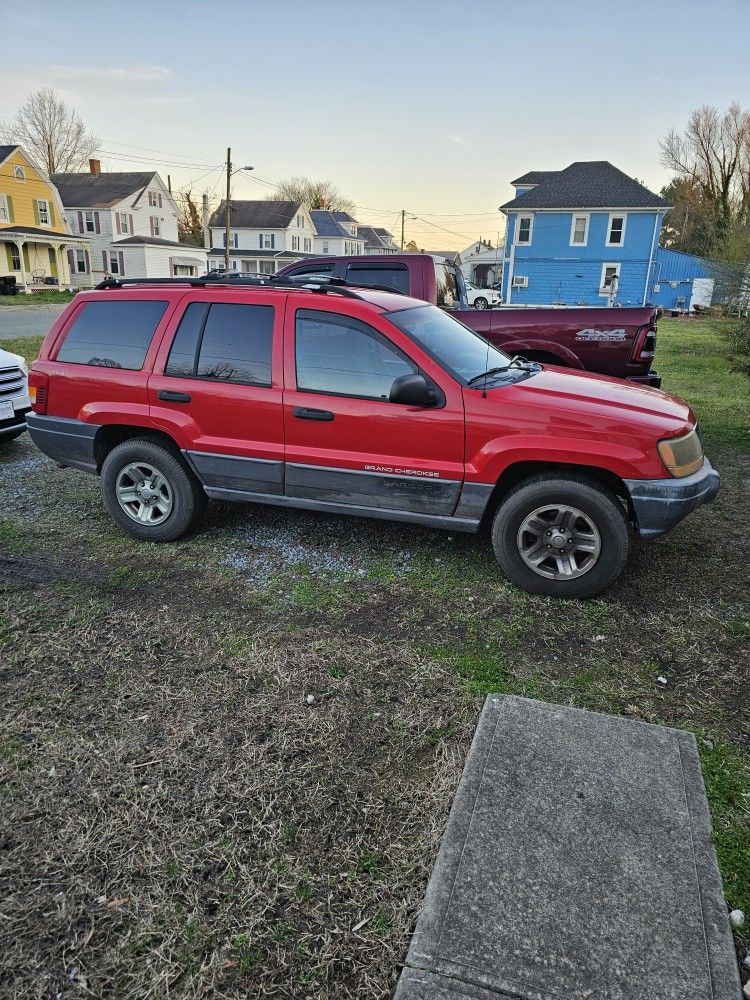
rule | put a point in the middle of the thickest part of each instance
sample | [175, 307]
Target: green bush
[739, 341]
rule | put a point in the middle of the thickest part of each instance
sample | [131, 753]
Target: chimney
[206, 230]
[95, 167]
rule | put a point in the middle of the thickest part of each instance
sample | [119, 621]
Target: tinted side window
[225, 342]
[341, 355]
[322, 269]
[114, 334]
[393, 275]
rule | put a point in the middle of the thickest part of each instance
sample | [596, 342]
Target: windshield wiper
[515, 362]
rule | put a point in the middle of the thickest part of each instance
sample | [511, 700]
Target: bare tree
[52, 133]
[714, 151]
[313, 194]
[189, 223]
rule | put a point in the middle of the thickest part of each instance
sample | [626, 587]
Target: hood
[10, 360]
[562, 386]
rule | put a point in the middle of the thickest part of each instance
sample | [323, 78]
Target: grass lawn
[37, 298]
[180, 820]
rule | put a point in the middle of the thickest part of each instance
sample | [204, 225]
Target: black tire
[11, 437]
[187, 500]
[598, 504]
[480, 303]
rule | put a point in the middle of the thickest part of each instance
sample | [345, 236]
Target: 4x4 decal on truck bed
[614, 335]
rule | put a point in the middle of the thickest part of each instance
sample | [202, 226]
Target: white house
[377, 240]
[131, 220]
[264, 235]
[482, 263]
[336, 234]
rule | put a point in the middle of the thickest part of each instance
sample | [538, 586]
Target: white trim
[587, 218]
[39, 203]
[657, 227]
[617, 215]
[530, 217]
[625, 210]
[604, 292]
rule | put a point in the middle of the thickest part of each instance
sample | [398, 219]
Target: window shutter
[171, 267]
[151, 223]
[87, 258]
[132, 231]
[260, 238]
[80, 222]
[36, 211]
[159, 196]
[97, 224]
[273, 241]
[105, 265]
[71, 262]
[11, 216]
[121, 258]
[52, 216]
[117, 222]
[9, 255]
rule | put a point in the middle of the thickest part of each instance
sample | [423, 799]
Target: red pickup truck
[350, 400]
[616, 342]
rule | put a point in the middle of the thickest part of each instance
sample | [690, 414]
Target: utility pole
[228, 207]
[403, 219]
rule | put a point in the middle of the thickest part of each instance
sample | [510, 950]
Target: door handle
[307, 413]
[175, 397]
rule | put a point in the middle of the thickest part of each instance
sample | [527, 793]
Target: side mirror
[412, 390]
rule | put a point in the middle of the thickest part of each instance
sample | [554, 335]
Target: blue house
[588, 235]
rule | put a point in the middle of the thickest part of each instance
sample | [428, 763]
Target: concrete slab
[577, 864]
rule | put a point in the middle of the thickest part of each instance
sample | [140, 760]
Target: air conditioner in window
[520, 281]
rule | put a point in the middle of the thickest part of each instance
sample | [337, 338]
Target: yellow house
[36, 245]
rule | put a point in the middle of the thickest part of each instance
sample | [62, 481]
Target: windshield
[454, 346]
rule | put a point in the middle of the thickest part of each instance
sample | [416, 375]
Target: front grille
[12, 383]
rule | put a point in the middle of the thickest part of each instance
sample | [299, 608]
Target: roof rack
[326, 283]
[199, 282]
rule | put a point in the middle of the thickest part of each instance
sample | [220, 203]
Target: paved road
[27, 321]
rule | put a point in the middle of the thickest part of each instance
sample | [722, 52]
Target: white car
[14, 396]
[481, 298]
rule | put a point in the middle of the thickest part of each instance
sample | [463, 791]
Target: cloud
[458, 139]
[134, 73]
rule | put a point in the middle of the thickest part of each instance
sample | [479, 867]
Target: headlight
[25, 368]
[683, 455]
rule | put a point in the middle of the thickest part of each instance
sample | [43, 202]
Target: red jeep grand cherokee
[358, 401]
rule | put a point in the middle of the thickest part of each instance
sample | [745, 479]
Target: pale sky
[428, 106]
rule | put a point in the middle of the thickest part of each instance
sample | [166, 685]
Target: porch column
[20, 244]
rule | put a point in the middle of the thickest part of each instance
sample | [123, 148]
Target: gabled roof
[371, 236]
[326, 225]
[593, 184]
[343, 217]
[100, 190]
[256, 214]
[5, 152]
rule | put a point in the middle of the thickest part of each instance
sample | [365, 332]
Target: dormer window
[300, 221]
[616, 230]
[524, 230]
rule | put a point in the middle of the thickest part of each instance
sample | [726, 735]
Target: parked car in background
[617, 342]
[14, 396]
[356, 401]
[481, 298]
